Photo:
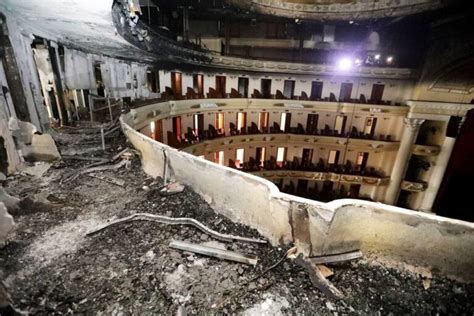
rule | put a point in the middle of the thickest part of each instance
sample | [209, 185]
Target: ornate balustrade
[426, 150]
[286, 140]
[414, 186]
[322, 176]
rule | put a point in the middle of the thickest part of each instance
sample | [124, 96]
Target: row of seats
[298, 164]
[169, 94]
[191, 137]
[326, 194]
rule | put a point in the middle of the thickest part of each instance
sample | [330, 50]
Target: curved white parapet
[316, 228]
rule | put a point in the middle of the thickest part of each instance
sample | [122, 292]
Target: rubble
[42, 148]
[172, 188]
[38, 169]
[318, 279]
[6, 223]
[352, 255]
[10, 202]
[50, 267]
[22, 131]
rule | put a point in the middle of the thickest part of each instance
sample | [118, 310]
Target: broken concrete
[6, 223]
[22, 131]
[42, 148]
[38, 169]
[10, 202]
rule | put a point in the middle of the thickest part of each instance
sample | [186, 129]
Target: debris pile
[33, 145]
[102, 237]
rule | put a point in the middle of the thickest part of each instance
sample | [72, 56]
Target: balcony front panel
[322, 176]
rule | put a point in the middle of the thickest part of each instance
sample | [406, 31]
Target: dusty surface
[50, 266]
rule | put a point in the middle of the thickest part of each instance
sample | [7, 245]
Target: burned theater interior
[236, 157]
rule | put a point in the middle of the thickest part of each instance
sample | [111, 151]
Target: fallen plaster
[10, 202]
[42, 148]
[272, 304]
[62, 239]
[6, 224]
[22, 131]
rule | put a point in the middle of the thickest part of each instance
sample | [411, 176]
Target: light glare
[344, 64]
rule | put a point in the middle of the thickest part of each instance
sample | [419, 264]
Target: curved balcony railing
[354, 178]
[198, 148]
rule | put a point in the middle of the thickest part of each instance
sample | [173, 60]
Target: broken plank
[318, 280]
[213, 252]
[108, 179]
[346, 256]
[117, 156]
[74, 157]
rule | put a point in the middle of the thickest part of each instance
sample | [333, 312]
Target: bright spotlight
[389, 59]
[344, 64]
[377, 57]
[358, 61]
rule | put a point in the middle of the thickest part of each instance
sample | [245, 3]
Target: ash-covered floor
[50, 266]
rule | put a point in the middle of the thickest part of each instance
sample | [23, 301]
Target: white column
[412, 126]
[437, 174]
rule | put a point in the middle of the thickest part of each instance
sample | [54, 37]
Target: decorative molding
[284, 139]
[322, 176]
[308, 69]
[420, 108]
[340, 10]
[412, 124]
[425, 150]
[413, 186]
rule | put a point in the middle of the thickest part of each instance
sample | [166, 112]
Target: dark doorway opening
[220, 86]
[289, 89]
[316, 90]
[312, 123]
[346, 91]
[99, 83]
[177, 84]
[198, 85]
[244, 87]
[377, 92]
[266, 87]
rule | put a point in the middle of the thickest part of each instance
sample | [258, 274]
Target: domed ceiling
[337, 9]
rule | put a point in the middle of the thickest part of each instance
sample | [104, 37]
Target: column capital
[412, 123]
